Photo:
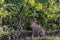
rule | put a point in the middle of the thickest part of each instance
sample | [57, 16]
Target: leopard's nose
[32, 25]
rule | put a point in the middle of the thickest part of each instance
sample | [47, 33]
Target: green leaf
[32, 2]
[3, 12]
[39, 6]
[1, 1]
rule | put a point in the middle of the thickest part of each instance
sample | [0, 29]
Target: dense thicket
[16, 14]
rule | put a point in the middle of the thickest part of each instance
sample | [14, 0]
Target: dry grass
[38, 38]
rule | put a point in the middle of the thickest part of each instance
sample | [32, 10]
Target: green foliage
[32, 2]
[3, 12]
[39, 6]
[4, 32]
[40, 10]
[1, 1]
